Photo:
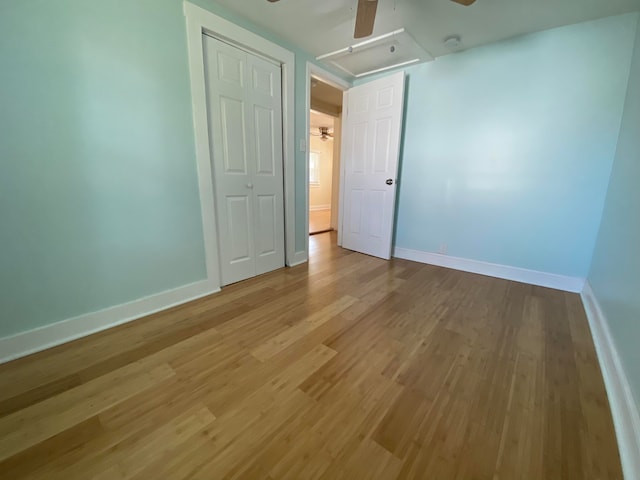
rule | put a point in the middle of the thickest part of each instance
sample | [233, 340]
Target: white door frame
[199, 22]
[329, 78]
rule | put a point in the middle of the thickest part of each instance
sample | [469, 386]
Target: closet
[244, 102]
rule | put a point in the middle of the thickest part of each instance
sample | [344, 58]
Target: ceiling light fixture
[452, 42]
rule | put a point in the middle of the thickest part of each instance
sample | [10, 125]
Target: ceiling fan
[366, 15]
[324, 134]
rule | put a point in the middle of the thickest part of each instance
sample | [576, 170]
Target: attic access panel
[394, 49]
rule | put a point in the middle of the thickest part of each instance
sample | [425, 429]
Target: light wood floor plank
[348, 367]
[36, 423]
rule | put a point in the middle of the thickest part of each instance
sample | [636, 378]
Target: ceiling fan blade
[365, 18]
[466, 3]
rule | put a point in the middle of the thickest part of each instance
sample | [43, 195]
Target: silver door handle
[249, 185]
[389, 181]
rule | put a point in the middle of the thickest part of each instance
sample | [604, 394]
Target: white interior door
[373, 127]
[245, 131]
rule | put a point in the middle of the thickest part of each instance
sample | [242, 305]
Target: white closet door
[372, 146]
[245, 133]
[265, 98]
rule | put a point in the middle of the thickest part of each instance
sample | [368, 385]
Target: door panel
[359, 150]
[239, 228]
[245, 129]
[263, 80]
[265, 151]
[360, 103]
[373, 129]
[267, 240]
[265, 95]
[231, 67]
[384, 98]
[377, 202]
[233, 141]
[355, 226]
[381, 148]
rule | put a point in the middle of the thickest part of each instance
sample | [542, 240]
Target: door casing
[247, 159]
[199, 22]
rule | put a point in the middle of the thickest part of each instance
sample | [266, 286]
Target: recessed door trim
[199, 22]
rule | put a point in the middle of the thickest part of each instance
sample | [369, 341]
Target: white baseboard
[626, 418]
[41, 338]
[315, 208]
[533, 277]
[298, 259]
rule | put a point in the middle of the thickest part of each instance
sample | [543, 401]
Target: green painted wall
[98, 186]
[615, 270]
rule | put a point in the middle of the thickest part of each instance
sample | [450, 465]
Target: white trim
[299, 258]
[358, 45]
[317, 208]
[626, 418]
[31, 341]
[326, 76]
[533, 277]
[384, 69]
[345, 114]
[201, 21]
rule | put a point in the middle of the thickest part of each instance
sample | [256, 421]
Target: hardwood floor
[349, 367]
[319, 221]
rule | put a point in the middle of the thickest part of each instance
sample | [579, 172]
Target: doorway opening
[367, 172]
[324, 149]
[322, 143]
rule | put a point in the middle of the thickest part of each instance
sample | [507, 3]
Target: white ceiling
[317, 120]
[322, 26]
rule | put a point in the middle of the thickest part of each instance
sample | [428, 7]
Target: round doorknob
[389, 181]
[249, 185]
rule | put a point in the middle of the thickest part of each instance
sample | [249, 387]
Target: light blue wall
[508, 148]
[98, 186]
[615, 271]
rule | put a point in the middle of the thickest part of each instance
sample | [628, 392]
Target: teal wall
[98, 185]
[98, 188]
[508, 148]
[615, 271]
